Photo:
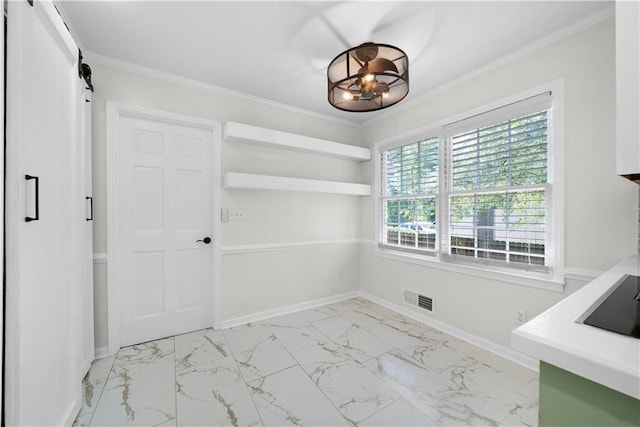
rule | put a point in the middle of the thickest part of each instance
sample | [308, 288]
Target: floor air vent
[417, 300]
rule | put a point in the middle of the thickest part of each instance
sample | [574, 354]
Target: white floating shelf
[248, 181]
[240, 132]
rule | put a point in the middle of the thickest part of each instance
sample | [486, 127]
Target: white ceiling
[279, 51]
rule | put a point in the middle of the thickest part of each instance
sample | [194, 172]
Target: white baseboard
[101, 352]
[86, 367]
[505, 352]
[288, 309]
[74, 410]
[499, 350]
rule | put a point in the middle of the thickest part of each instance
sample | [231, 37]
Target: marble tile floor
[352, 363]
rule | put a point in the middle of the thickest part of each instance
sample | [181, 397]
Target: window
[409, 196]
[475, 192]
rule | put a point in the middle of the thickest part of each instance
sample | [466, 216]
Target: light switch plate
[236, 215]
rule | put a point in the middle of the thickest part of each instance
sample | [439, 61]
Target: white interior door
[43, 331]
[165, 212]
[85, 244]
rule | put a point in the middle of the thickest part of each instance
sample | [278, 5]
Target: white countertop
[555, 337]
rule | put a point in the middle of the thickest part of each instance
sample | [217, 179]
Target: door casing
[115, 110]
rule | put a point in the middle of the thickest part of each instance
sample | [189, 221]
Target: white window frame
[551, 280]
[436, 196]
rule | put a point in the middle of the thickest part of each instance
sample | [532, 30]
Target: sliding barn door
[85, 224]
[44, 357]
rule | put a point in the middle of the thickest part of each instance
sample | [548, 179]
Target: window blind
[478, 193]
[409, 192]
[497, 186]
[523, 107]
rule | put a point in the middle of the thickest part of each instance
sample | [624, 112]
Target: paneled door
[165, 256]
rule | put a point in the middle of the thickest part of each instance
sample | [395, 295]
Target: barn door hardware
[90, 199]
[37, 198]
[84, 71]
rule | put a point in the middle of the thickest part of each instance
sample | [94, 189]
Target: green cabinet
[567, 399]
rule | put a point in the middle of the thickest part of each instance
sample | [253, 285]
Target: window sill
[539, 281]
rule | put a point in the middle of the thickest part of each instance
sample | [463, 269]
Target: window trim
[383, 242]
[554, 279]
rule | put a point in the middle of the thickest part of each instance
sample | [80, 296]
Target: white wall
[600, 221]
[256, 281]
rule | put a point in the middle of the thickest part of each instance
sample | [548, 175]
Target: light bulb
[347, 96]
[385, 94]
[368, 77]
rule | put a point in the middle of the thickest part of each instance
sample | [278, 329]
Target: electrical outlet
[521, 316]
[236, 215]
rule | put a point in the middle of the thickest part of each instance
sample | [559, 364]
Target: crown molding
[196, 84]
[550, 39]
[576, 27]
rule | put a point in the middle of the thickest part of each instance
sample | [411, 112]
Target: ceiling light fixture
[368, 77]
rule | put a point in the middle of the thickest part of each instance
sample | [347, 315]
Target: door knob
[206, 240]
